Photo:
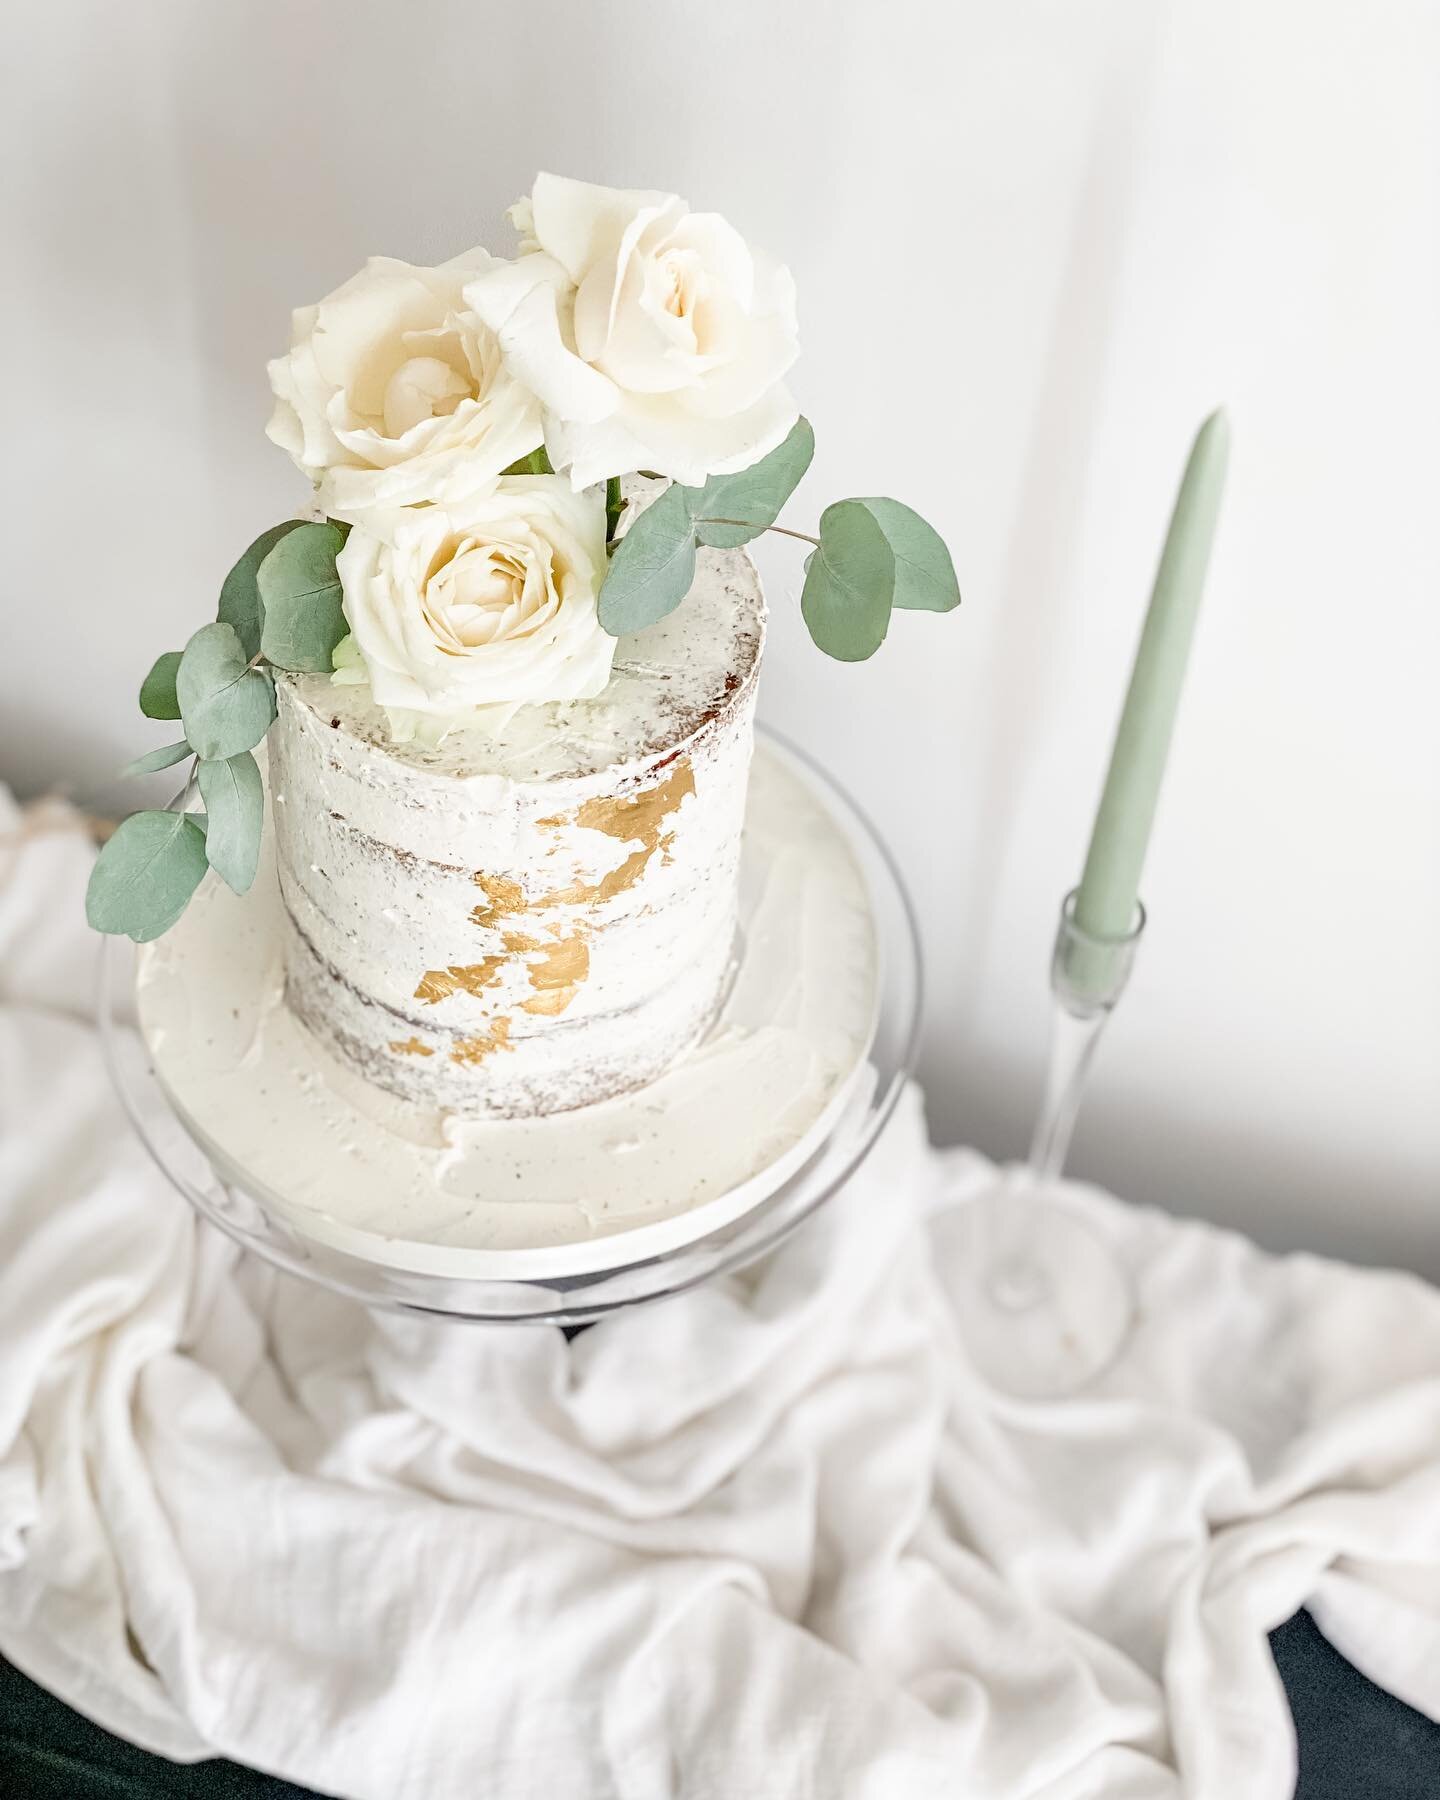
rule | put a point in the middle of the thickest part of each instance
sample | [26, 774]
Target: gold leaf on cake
[633, 818]
[547, 1006]
[563, 965]
[556, 974]
[579, 893]
[617, 882]
[504, 896]
[411, 1047]
[474, 1050]
[471, 978]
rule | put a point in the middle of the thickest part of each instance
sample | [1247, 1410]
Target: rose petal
[640, 354]
[578, 222]
[759, 353]
[533, 345]
[691, 448]
[722, 251]
[591, 453]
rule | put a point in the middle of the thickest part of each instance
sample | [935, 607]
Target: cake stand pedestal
[625, 1268]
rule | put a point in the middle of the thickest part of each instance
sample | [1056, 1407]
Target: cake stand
[636, 1265]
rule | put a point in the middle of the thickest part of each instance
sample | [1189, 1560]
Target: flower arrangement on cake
[506, 666]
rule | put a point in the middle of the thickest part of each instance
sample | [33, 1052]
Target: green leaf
[145, 874]
[653, 566]
[755, 494]
[159, 759]
[924, 574]
[301, 591]
[227, 707]
[157, 690]
[536, 463]
[235, 807]
[240, 602]
[849, 583]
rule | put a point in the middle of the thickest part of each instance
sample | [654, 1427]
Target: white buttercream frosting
[420, 1188]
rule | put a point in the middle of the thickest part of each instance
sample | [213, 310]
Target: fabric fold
[771, 1537]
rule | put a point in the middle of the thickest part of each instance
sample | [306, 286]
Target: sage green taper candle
[1105, 906]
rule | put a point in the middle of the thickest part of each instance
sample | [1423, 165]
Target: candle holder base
[1044, 1314]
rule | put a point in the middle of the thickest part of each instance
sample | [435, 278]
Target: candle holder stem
[1074, 1038]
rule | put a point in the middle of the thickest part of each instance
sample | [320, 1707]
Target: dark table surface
[1356, 1742]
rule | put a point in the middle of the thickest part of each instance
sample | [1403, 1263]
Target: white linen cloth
[771, 1538]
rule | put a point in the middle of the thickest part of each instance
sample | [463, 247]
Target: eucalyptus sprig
[279, 609]
[871, 555]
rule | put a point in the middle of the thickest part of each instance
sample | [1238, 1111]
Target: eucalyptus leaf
[754, 495]
[163, 758]
[849, 583]
[301, 594]
[653, 565]
[240, 602]
[924, 574]
[145, 874]
[157, 690]
[235, 807]
[226, 705]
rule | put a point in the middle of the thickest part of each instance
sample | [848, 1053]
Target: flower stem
[750, 525]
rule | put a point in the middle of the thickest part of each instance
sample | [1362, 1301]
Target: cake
[504, 954]
[521, 923]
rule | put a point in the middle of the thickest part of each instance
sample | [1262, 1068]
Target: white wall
[1035, 243]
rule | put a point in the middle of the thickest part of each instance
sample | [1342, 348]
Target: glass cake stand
[223, 1193]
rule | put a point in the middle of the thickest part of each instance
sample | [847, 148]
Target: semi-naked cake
[485, 967]
[520, 922]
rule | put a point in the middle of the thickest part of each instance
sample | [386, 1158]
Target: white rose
[653, 336]
[489, 602]
[393, 393]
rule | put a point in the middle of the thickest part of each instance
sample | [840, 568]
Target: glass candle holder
[1047, 1304]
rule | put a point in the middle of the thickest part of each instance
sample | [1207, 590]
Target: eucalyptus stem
[750, 525]
[614, 506]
